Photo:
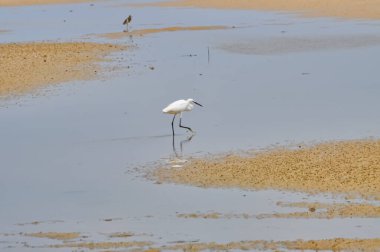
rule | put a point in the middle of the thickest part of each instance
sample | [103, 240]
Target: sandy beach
[27, 66]
[351, 168]
[356, 9]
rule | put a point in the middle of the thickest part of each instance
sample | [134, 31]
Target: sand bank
[338, 244]
[313, 210]
[335, 244]
[360, 9]
[102, 245]
[55, 235]
[334, 210]
[37, 2]
[28, 66]
[143, 32]
[326, 211]
[347, 167]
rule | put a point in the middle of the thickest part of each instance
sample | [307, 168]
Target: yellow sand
[362, 9]
[327, 211]
[142, 32]
[212, 215]
[25, 67]
[312, 210]
[337, 244]
[102, 245]
[37, 2]
[348, 167]
[55, 235]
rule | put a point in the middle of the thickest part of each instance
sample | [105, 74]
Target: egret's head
[190, 100]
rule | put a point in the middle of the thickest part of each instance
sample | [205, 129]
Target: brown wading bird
[126, 22]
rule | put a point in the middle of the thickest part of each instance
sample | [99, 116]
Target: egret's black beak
[197, 103]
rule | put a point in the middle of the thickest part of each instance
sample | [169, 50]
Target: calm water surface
[69, 153]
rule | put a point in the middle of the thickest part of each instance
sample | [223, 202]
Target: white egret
[178, 107]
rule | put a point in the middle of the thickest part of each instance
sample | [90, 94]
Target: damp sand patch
[353, 9]
[341, 244]
[55, 235]
[326, 211]
[38, 2]
[310, 210]
[143, 32]
[28, 66]
[351, 168]
[281, 45]
[337, 244]
[103, 245]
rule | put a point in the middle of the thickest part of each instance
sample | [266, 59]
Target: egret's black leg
[180, 125]
[174, 150]
[173, 125]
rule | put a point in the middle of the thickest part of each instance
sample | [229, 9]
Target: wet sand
[345, 244]
[278, 45]
[311, 210]
[335, 244]
[143, 32]
[366, 9]
[102, 245]
[55, 235]
[327, 211]
[27, 66]
[330, 244]
[347, 167]
[37, 2]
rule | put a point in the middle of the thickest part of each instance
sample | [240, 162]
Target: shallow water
[70, 152]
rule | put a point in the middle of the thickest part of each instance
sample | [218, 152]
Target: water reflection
[178, 160]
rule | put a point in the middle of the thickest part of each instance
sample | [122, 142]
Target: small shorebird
[127, 21]
[178, 107]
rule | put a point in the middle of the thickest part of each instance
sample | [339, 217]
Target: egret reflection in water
[178, 160]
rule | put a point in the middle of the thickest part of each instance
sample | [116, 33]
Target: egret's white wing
[176, 107]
